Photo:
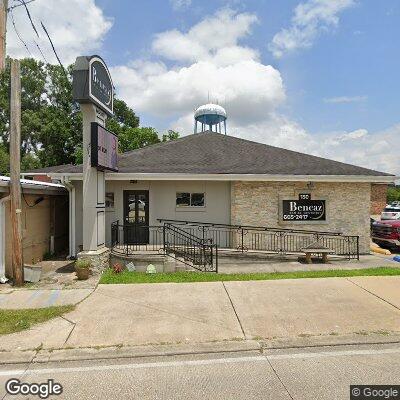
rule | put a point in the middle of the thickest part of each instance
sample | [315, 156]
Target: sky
[315, 76]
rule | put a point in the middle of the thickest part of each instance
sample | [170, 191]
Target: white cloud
[310, 19]
[207, 38]
[251, 92]
[207, 58]
[346, 99]
[77, 27]
[180, 4]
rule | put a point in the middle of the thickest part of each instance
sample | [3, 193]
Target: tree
[51, 130]
[125, 124]
[51, 123]
[170, 135]
[4, 161]
[135, 138]
[393, 194]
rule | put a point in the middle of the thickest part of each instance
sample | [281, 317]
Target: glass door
[136, 216]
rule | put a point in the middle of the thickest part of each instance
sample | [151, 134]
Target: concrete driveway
[206, 312]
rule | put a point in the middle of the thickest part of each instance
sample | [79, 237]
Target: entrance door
[136, 216]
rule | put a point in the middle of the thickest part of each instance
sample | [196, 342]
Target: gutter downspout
[3, 201]
[71, 193]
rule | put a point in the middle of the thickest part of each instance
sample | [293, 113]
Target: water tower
[210, 117]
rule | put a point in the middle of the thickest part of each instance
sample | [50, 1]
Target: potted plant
[82, 269]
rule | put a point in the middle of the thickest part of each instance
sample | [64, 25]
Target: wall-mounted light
[131, 181]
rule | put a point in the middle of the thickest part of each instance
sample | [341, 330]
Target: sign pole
[15, 183]
[93, 185]
[93, 89]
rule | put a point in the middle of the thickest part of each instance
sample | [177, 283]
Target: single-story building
[214, 178]
[44, 222]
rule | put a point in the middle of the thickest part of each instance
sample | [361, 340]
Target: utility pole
[15, 184]
[3, 31]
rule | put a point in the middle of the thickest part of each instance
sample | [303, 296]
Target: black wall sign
[92, 83]
[104, 148]
[303, 209]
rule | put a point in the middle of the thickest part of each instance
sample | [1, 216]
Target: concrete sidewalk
[307, 310]
[38, 298]
[252, 262]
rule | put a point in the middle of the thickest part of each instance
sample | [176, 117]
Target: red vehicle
[386, 233]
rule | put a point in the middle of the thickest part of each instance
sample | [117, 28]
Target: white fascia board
[124, 176]
[70, 176]
[251, 177]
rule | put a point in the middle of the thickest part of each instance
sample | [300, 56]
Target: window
[184, 199]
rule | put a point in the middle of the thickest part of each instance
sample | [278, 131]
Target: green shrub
[393, 194]
[82, 263]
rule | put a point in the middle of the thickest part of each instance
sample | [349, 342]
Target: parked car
[395, 203]
[386, 233]
[391, 212]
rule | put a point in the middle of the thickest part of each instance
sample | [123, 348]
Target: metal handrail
[244, 238]
[229, 238]
[185, 233]
[252, 227]
[188, 247]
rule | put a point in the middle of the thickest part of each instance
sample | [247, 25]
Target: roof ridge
[160, 144]
[302, 154]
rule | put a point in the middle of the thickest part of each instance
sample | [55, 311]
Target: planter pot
[32, 273]
[82, 273]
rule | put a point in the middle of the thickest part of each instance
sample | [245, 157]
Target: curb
[165, 350]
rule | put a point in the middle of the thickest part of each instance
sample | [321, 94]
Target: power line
[55, 52]
[24, 3]
[41, 52]
[16, 31]
[19, 5]
[29, 16]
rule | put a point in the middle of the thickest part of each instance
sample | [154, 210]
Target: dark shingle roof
[56, 168]
[212, 153]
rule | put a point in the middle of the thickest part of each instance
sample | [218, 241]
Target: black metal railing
[269, 239]
[127, 239]
[190, 249]
[198, 244]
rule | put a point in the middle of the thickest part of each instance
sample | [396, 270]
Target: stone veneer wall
[100, 259]
[378, 198]
[348, 206]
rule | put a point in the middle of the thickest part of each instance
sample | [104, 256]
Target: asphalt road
[312, 373]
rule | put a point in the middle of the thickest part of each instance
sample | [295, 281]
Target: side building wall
[378, 198]
[347, 206]
[39, 222]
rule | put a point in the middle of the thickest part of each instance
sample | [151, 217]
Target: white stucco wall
[162, 202]
[78, 215]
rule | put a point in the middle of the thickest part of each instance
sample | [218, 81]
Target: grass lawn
[141, 277]
[17, 320]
